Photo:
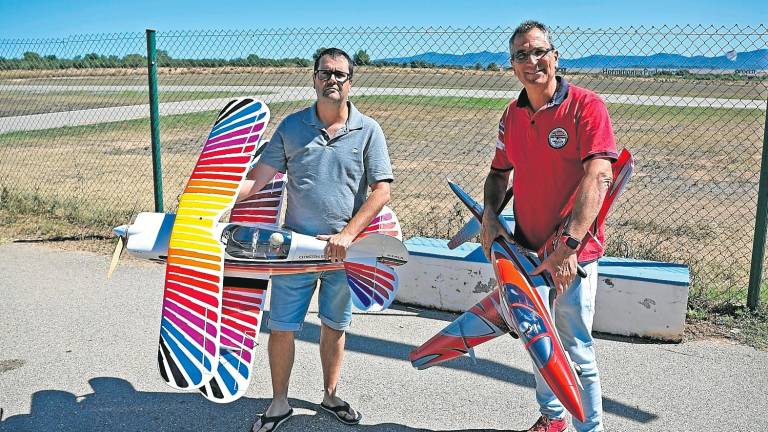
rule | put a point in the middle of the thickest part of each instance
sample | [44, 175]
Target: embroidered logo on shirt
[557, 138]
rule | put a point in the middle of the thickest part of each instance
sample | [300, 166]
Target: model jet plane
[521, 305]
[217, 272]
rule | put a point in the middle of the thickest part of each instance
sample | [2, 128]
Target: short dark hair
[529, 25]
[335, 53]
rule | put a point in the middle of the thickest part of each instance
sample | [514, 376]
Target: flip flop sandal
[338, 410]
[275, 420]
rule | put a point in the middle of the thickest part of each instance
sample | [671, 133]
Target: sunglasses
[537, 53]
[325, 75]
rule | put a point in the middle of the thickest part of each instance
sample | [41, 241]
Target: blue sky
[60, 18]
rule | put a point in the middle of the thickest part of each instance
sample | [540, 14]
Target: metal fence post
[761, 219]
[154, 119]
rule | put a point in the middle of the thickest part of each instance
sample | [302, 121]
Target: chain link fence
[688, 101]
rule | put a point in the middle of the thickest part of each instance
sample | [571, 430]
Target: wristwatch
[570, 241]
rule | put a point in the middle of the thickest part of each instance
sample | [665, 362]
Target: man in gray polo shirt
[333, 155]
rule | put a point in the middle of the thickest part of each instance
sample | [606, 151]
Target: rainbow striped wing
[243, 302]
[189, 329]
[263, 206]
[242, 308]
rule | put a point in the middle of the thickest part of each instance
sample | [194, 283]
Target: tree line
[31, 60]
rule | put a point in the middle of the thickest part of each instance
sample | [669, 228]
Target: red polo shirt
[547, 150]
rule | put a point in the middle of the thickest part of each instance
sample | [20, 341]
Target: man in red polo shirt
[558, 140]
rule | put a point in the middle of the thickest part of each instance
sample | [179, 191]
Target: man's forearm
[256, 179]
[589, 197]
[494, 190]
[376, 200]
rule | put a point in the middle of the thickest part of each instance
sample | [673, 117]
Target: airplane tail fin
[370, 274]
[386, 222]
[470, 230]
[477, 211]
[474, 207]
[622, 171]
[472, 227]
[370, 259]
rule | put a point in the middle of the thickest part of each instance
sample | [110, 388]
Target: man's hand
[336, 249]
[490, 230]
[561, 265]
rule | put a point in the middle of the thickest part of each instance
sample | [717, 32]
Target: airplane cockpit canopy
[256, 242]
[530, 325]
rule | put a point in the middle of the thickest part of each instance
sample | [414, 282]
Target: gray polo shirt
[328, 179]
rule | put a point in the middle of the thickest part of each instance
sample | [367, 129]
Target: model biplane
[217, 272]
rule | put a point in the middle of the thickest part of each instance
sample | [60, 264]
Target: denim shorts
[291, 295]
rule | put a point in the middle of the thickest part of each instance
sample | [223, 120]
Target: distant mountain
[757, 60]
[469, 59]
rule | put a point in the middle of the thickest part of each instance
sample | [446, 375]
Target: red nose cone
[558, 375]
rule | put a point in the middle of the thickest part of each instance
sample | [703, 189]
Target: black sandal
[345, 408]
[275, 420]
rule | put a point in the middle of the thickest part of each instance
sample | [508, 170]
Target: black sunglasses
[537, 53]
[325, 75]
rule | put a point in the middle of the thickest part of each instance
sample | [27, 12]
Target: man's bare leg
[281, 349]
[331, 357]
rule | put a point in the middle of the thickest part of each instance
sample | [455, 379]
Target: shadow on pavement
[484, 367]
[115, 406]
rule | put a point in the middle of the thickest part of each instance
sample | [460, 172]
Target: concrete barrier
[634, 297]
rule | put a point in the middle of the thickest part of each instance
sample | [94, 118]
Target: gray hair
[529, 25]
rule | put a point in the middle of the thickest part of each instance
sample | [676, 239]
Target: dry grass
[692, 199]
[389, 77]
[19, 103]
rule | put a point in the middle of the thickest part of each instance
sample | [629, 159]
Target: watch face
[571, 242]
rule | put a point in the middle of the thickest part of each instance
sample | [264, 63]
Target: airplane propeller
[115, 256]
[122, 238]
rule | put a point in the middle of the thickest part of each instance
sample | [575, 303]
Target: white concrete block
[444, 279]
[641, 298]
[634, 298]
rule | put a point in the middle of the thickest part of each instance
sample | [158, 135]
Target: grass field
[17, 103]
[695, 181]
[691, 200]
[392, 77]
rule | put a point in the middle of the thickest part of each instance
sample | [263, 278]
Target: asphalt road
[78, 354]
[286, 93]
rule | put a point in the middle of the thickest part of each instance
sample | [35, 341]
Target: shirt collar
[354, 119]
[561, 92]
